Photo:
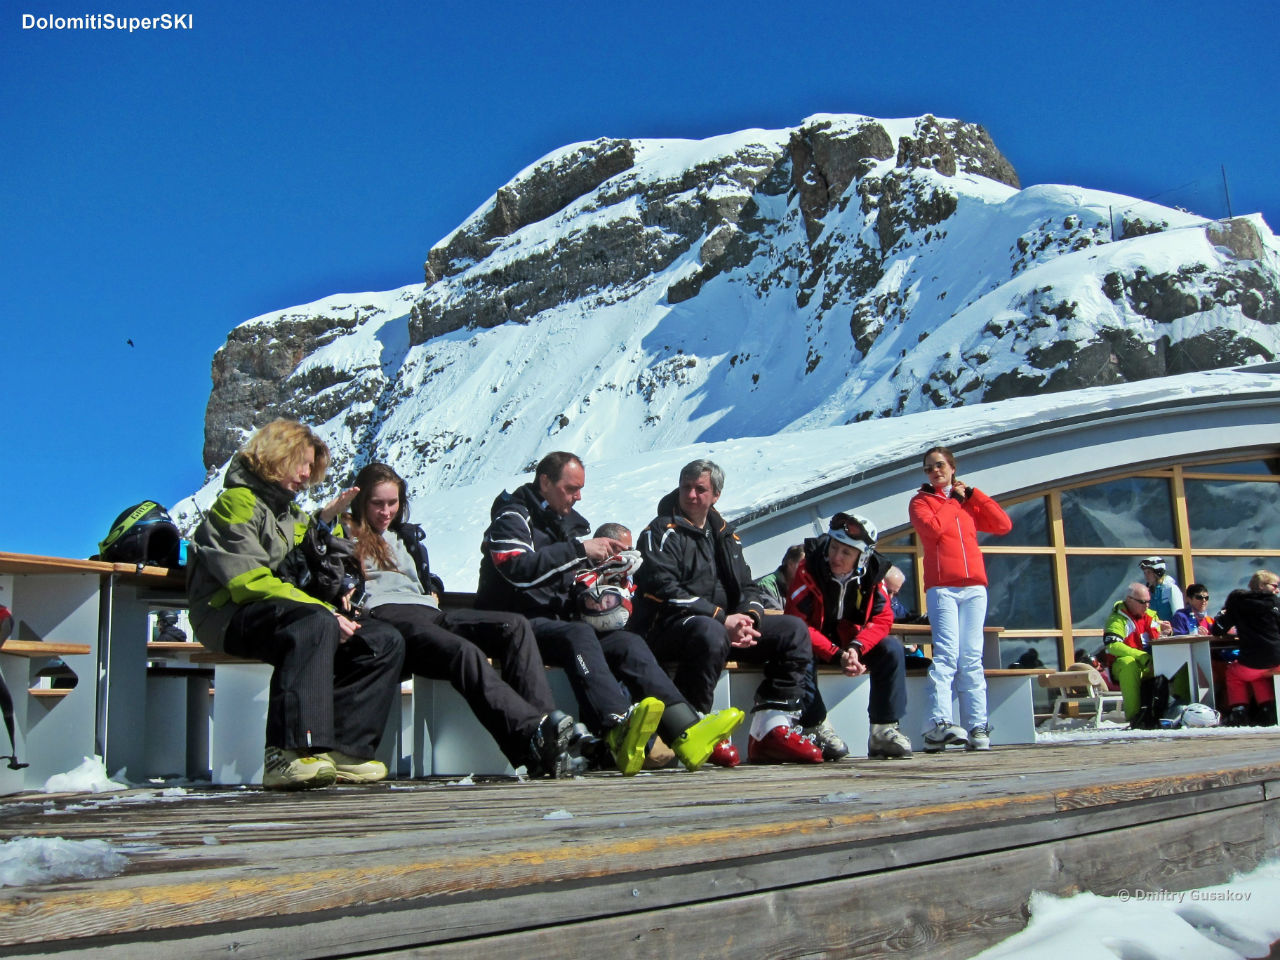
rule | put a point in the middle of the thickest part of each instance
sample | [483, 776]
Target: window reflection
[1132, 512]
[1029, 653]
[1224, 574]
[1098, 582]
[1229, 515]
[1030, 526]
[1020, 591]
[1255, 467]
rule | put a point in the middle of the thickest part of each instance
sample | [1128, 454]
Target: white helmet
[605, 606]
[1198, 715]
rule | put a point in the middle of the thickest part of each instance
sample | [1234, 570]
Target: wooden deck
[932, 857]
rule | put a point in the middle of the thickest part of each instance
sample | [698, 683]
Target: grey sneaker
[295, 770]
[828, 741]
[349, 769]
[887, 742]
[979, 737]
[942, 733]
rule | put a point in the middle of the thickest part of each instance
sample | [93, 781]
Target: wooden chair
[1080, 685]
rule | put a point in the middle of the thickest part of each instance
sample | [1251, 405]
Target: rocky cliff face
[619, 296]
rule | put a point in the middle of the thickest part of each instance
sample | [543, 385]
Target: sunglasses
[1138, 600]
[1199, 596]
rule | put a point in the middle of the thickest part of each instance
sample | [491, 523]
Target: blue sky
[163, 186]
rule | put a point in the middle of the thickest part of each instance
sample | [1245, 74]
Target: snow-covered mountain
[621, 297]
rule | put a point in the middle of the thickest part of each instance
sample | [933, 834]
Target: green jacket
[1125, 629]
[246, 534]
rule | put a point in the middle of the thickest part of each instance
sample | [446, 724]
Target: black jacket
[684, 565]
[415, 541]
[530, 555]
[1256, 617]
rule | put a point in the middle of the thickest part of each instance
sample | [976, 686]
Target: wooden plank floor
[929, 857]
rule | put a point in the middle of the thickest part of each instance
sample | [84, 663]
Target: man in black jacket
[534, 549]
[699, 602]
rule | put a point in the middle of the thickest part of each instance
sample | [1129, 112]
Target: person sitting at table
[1194, 617]
[1255, 615]
[1127, 637]
[839, 593]
[335, 678]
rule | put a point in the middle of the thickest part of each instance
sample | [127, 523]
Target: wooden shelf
[27, 563]
[43, 648]
[49, 693]
[175, 646]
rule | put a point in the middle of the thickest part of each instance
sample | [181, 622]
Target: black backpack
[144, 534]
[1155, 703]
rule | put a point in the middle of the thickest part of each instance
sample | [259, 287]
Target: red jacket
[948, 531]
[838, 615]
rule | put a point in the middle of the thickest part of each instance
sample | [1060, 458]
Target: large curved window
[1074, 549]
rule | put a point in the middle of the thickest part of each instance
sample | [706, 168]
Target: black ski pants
[699, 646]
[327, 693]
[608, 671]
[455, 645]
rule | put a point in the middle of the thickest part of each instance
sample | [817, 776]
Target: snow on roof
[764, 471]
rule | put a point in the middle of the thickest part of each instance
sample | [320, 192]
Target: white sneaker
[979, 737]
[942, 733]
[887, 742]
[295, 770]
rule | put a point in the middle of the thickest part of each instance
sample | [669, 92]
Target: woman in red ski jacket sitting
[947, 515]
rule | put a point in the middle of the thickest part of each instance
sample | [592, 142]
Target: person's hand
[742, 630]
[1166, 628]
[329, 512]
[852, 663]
[602, 548]
[347, 627]
[1203, 629]
[959, 490]
[344, 602]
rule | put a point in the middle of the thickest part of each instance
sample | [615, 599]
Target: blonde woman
[335, 679]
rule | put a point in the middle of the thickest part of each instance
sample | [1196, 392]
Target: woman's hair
[947, 455]
[371, 549]
[1261, 578]
[274, 448]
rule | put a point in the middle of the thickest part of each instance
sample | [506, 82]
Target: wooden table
[102, 609]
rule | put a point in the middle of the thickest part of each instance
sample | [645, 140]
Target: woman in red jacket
[947, 516]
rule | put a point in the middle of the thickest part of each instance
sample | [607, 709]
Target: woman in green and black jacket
[335, 679]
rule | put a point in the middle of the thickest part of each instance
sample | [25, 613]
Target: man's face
[697, 498]
[1136, 601]
[565, 492]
